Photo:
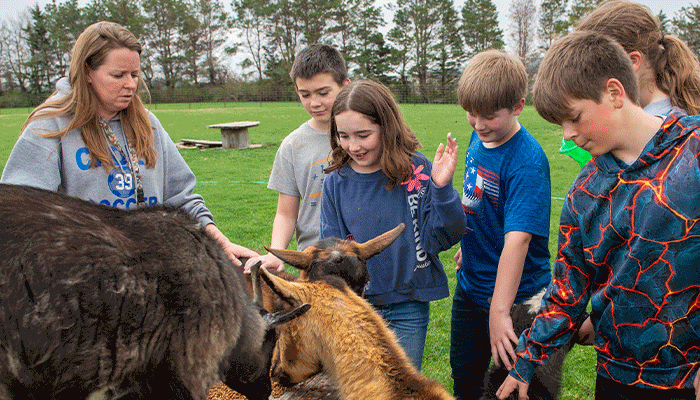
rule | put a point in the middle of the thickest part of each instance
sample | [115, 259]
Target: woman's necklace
[133, 160]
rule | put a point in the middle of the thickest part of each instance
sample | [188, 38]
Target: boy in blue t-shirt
[629, 234]
[504, 257]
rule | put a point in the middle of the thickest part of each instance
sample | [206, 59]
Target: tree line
[188, 43]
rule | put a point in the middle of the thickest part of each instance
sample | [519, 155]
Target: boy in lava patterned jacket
[629, 234]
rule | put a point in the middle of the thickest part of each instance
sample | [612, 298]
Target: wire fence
[245, 92]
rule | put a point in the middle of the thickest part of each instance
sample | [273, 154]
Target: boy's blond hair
[491, 81]
[578, 66]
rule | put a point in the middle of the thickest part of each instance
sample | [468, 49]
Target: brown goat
[342, 258]
[345, 259]
[343, 336]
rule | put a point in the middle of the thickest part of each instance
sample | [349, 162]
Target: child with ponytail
[667, 70]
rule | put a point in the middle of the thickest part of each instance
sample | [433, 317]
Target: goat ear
[281, 317]
[298, 259]
[374, 246]
[284, 289]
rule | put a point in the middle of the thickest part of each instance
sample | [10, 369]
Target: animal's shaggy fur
[546, 381]
[343, 336]
[98, 302]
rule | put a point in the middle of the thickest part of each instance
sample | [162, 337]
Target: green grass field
[233, 183]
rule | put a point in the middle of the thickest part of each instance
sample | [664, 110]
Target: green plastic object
[569, 148]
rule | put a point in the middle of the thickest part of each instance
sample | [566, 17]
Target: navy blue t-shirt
[358, 206]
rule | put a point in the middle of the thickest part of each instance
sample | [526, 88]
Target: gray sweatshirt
[64, 165]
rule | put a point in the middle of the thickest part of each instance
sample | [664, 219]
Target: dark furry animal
[100, 303]
[546, 381]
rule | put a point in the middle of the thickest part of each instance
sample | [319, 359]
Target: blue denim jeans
[470, 346]
[409, 321]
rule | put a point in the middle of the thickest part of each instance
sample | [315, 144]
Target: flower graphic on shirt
[415, 182]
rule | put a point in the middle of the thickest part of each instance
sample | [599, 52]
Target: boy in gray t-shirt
[318, 72]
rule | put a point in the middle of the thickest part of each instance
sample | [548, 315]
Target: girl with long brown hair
[377, 180]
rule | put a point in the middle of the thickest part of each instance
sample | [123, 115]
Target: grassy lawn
[233, 182]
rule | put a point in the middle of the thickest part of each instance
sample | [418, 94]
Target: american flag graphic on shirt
[477, 183]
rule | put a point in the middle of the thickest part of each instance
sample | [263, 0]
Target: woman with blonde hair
[95, 140]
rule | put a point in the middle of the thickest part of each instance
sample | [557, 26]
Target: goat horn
[257, 289]
[298, 259]
[372, 247]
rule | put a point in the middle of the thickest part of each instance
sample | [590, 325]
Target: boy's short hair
[578, 66]
[491, 81]
[318, 58]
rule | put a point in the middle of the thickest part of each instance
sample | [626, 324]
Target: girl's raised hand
[445, 162]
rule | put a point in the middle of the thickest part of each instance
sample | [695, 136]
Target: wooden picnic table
[234, 135]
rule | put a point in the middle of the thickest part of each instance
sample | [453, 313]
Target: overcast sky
[10, 8]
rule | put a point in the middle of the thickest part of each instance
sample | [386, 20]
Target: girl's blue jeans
[409, 321]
